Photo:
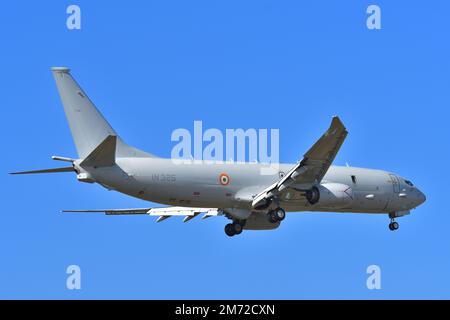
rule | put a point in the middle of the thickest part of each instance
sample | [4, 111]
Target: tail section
[102, 156]
[89, 128]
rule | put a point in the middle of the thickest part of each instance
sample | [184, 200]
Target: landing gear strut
[234, 228]
[276, 215]
[393, 225]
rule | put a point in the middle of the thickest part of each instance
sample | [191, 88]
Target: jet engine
[330, 195]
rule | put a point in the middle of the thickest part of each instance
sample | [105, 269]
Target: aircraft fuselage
[234, 185]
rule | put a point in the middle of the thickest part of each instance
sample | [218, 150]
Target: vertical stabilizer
[89, 128]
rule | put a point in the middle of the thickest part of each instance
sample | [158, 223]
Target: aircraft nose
[421, 198]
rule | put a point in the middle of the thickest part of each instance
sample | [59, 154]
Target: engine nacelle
[330, 195]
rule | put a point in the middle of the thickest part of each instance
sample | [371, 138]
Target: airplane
[237, 191]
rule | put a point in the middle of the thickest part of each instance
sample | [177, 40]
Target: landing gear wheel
[276, 215]
[237, 228]
[233, 229]
[280, 214]
[393, 226]
[272, 217]
[229, 230]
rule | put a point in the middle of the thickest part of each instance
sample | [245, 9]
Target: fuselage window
[354, 179]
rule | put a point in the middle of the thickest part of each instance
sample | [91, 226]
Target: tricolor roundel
[224, 179]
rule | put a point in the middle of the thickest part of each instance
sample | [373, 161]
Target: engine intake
[334, 195]
[313, 195]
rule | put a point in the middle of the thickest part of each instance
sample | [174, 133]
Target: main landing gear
[276, 215]
[234, 228]
[393, 225]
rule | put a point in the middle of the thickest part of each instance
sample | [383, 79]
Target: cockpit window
[409, 183]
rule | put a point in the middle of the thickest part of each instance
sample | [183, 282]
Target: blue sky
[154, 66]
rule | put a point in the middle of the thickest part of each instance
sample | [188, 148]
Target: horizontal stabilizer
[58, 158]
[53, 170]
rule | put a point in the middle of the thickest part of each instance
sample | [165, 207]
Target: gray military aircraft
[238, 191]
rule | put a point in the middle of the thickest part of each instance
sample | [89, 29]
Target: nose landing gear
[393, 225]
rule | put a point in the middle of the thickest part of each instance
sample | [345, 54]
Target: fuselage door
[395, 183]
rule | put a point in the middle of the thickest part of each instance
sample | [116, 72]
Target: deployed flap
[182, 211]
[163, 213]
[314, 165]
[104, 155]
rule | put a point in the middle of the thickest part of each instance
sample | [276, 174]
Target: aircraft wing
[311, 169]
[112, 212]
[162, 213]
